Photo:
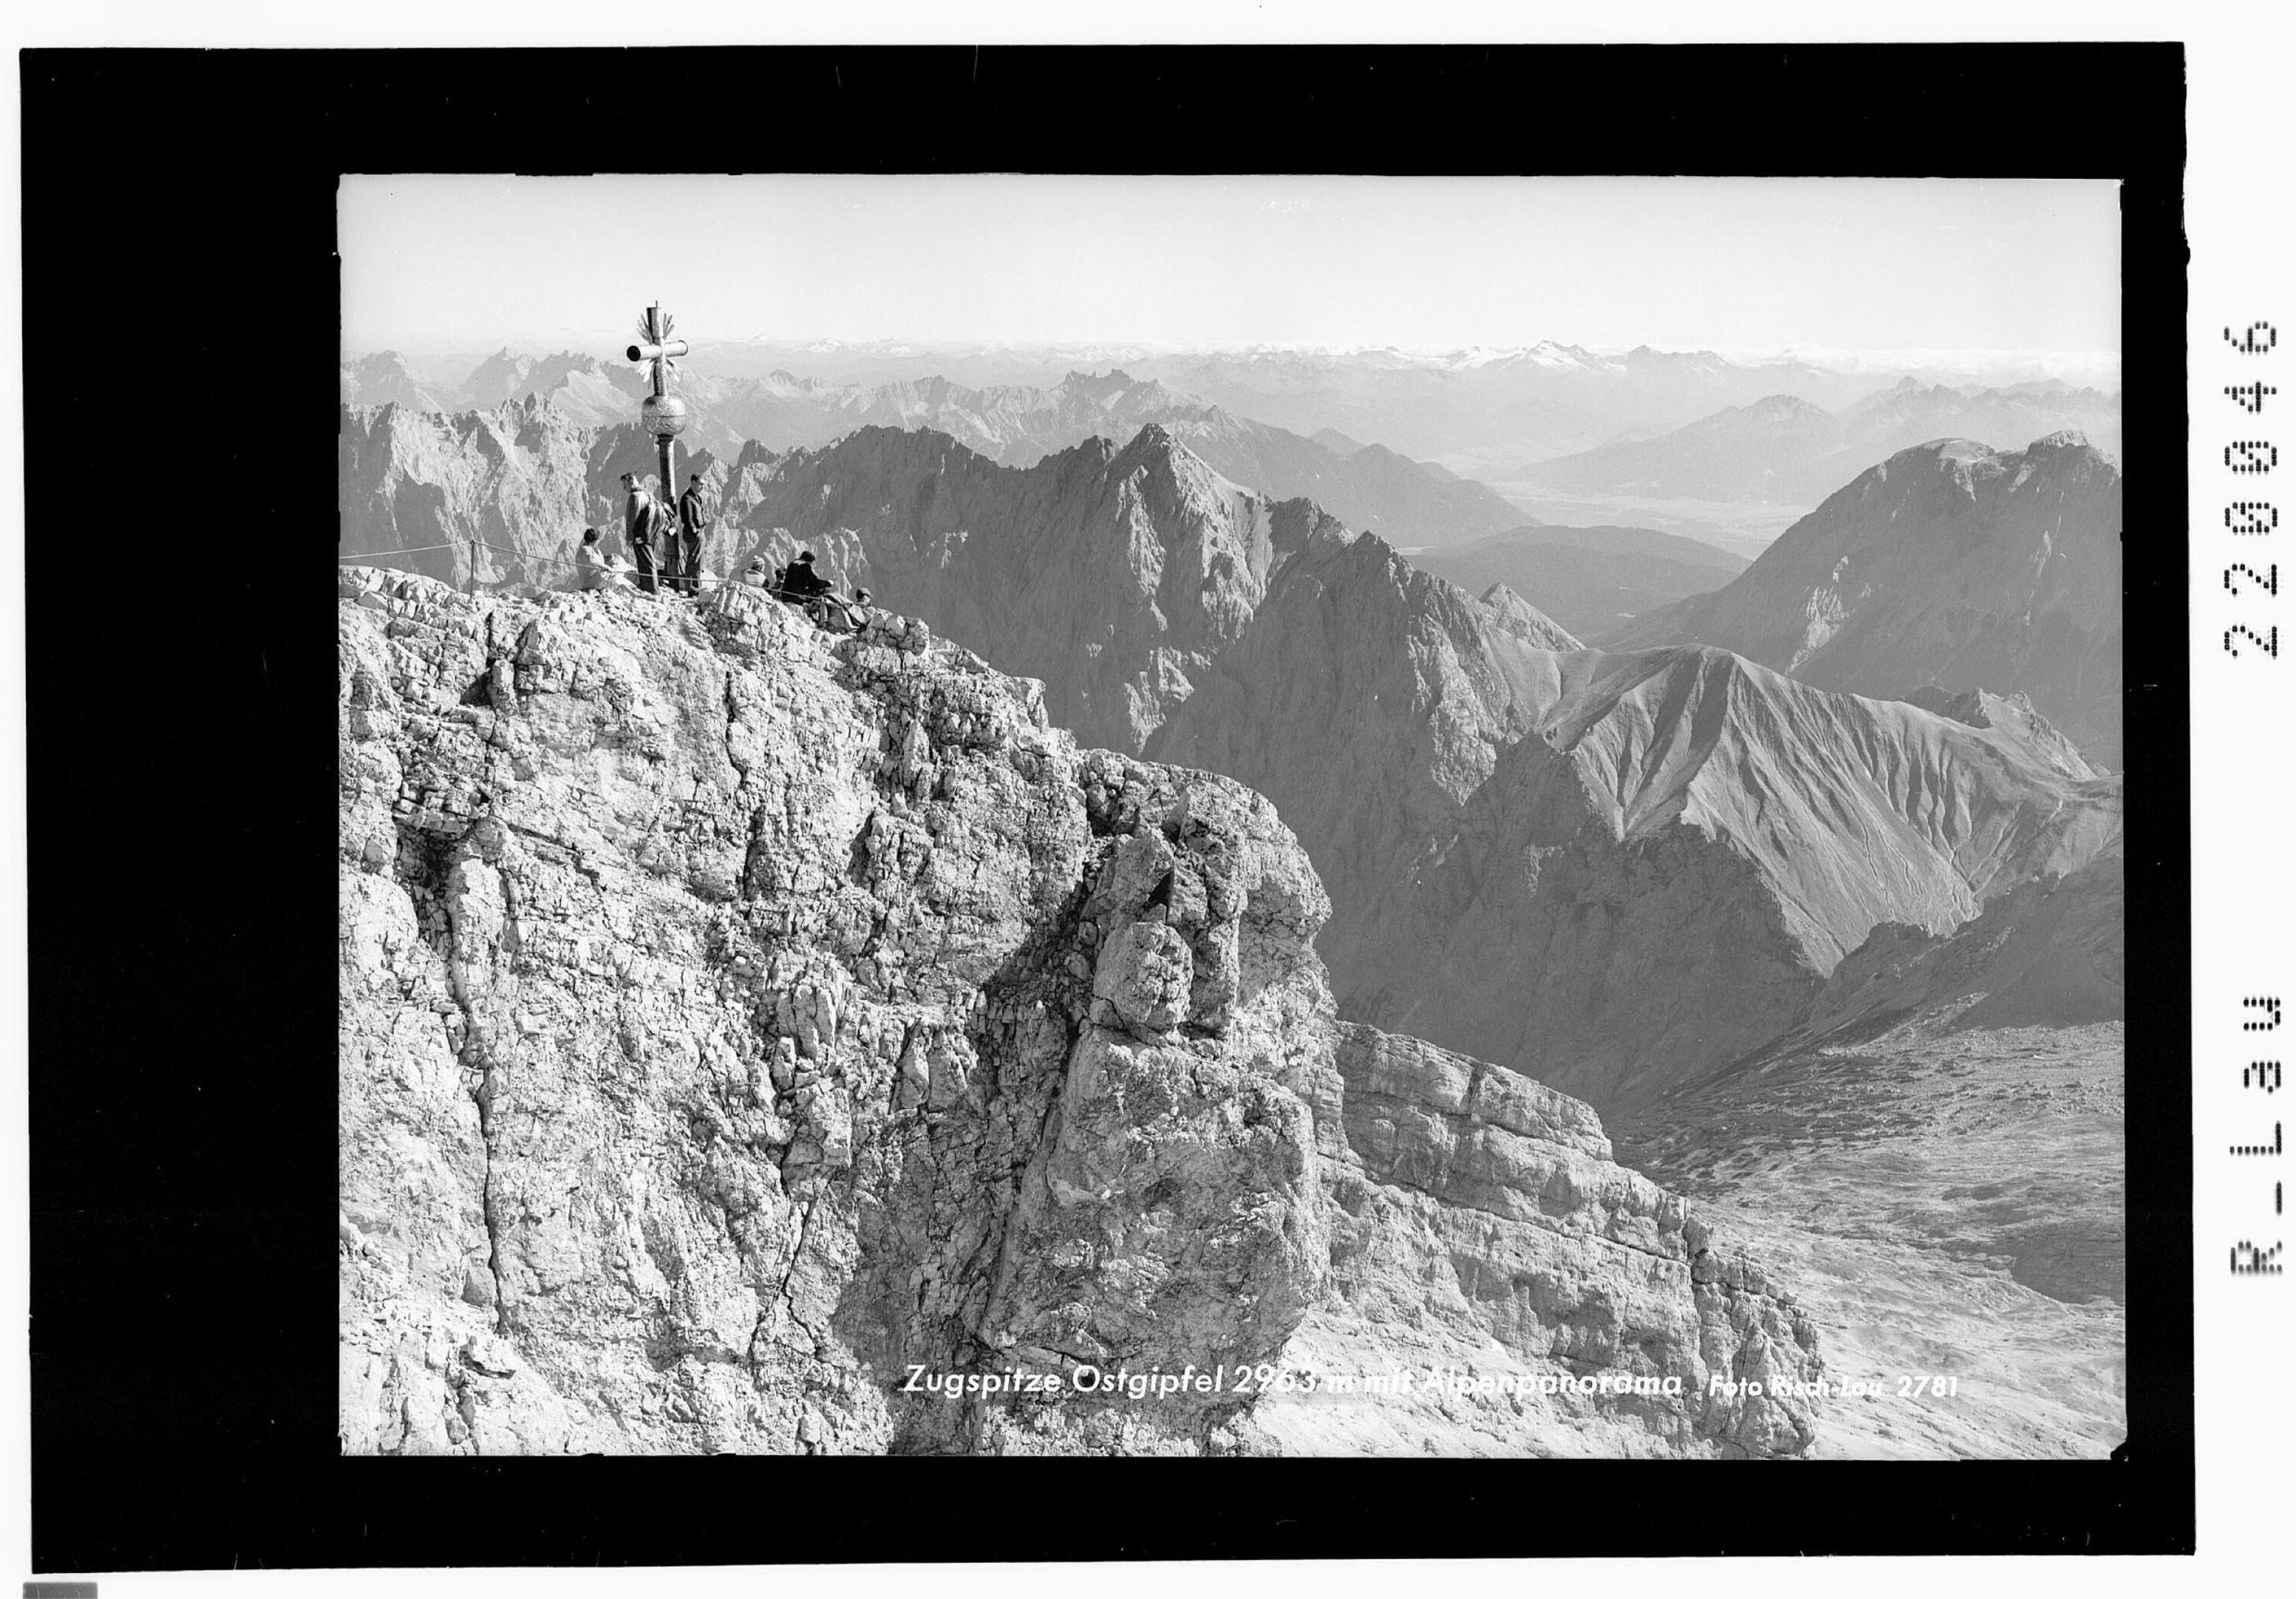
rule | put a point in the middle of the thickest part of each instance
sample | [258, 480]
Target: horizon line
[921, 345]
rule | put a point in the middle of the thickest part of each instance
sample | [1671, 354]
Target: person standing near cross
[693, 520]
[664, 415]
[638, 521]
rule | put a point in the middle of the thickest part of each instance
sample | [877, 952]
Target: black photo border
[180, 207]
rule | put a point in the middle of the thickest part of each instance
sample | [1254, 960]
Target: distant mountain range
[1786, 450]
[1593, 580]
[1950, 565]
[1487, 413]
[1368, 487]
[1562, 433]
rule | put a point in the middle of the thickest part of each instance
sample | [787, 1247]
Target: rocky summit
[758, 1041]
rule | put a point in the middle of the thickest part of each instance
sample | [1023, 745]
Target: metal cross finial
[663, 413]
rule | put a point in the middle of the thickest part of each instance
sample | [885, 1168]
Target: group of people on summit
[666, 548]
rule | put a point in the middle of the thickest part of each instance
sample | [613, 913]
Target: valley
[1950, 1204]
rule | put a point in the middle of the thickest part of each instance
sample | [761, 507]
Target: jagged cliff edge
[735, 1021]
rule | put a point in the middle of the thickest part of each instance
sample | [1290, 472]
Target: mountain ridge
[2013, 584]
[1013, 424]
[1786, 450]
[1418, 738]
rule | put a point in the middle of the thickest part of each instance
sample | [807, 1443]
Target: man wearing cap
[634, 501]
[801, 583]
[692, 518]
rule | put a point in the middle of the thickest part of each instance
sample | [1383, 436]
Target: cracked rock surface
[735, 1019]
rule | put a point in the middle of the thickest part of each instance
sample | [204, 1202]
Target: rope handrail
[559, 559]
[627, 574]
[416, 550]
[482, 544]
[521, 554]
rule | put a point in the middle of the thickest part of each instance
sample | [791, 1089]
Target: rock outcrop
[746, 1035]
[1950, 565]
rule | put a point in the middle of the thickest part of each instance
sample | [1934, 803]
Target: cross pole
[664, 413]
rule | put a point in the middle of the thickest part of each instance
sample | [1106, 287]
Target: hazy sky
[1732, 264]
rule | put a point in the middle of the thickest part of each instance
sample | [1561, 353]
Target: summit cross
[662, 411]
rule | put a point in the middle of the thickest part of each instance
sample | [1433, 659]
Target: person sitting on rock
[755, 575]
[801, 583]
[589, 563]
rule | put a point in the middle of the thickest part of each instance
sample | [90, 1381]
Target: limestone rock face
[1481, 1230]
[1951, 565]
[746, 1034]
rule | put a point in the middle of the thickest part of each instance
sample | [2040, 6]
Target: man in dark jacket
[650, 523]
[635, 533]
[800, 582]
[692, 519]
[634, 501]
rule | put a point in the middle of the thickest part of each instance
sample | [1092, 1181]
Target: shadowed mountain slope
[1611, 870]
[1950, 565]
[1593, 580]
